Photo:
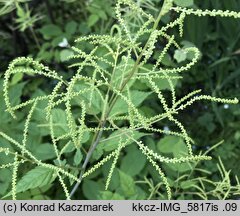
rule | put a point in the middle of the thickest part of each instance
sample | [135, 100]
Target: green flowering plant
[100, 101]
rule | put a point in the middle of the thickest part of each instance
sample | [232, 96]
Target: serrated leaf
[133, 162]
[127, 184]
[37, 177]
[91, 189]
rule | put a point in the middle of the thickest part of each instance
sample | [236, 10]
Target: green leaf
[207, 122]
[114, 183]
[45, 152]
[76, 174]
[108, 195]
[5, 116]
[163, 83]
[92, 19]
[98, 152]
[133, 162]
[94, 104]
[121, 72]
[85, 137]
[141, 194]
[113, 140]
[15, 93]
[121, 107]
[184, 3]
[187, 184]
[39, 114]
[37, 177]
[5, 159]
[180, 55]
[20, 12]
[166, 60]
[16, 78]
[65, 54]
[188, 44]
[40, 197]
[102, 14]
[77, 157]
[59, 122]
[91, 189]
[70, 147]
[175, 146]
[57, 41]
[71, 27]
[127, 184]
[50, 31]
[5, 180]
[147, 111]
[39, 191]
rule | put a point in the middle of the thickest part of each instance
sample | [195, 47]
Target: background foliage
[45, 30]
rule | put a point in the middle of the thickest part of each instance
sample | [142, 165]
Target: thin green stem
[35, 37]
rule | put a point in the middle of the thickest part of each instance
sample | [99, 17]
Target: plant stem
[89, 154]
[112, 102]
[35, 37]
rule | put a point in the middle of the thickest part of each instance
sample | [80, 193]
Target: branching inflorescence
[104, 78]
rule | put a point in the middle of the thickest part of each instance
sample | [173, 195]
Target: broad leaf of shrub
[37, 177]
